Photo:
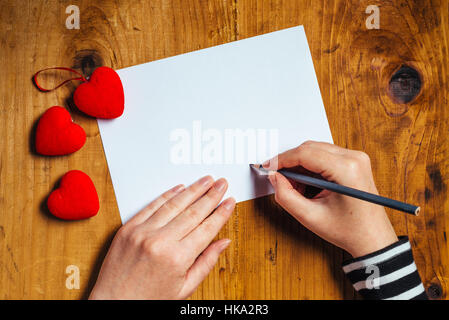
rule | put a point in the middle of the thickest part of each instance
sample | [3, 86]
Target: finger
[148, 211]
[289, 198]
[289, 158]
[329, 147]
[203, 266]
[202, 235]
[188, 220]
[179, 203]
[325, 146]
[317, 160]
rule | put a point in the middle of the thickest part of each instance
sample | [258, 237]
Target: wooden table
[271, 256]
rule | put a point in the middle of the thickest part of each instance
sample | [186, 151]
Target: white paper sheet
[178, 109]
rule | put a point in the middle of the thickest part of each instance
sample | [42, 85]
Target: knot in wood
[404, 85]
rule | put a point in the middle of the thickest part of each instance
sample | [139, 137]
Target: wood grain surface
[385, 92]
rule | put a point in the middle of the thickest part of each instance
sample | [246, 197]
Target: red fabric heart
[102, 96]
[75, 199]
[56, 134]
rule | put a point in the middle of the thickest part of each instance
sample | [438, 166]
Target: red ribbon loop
[81, 78]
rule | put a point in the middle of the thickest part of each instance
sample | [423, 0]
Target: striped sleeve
[387, 274]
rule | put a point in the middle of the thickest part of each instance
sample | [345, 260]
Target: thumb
[289, 198]
[203, 266]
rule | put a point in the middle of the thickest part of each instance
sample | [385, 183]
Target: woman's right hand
[354, 225]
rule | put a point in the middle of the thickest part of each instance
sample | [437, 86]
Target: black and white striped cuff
[387, 274]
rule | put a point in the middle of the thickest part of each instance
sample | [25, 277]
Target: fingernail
[220, 185]
[266, 164]
[225, 244]
[229, 204]
[179, 188]
[205, 181]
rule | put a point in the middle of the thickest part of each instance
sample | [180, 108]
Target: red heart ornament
[102, 96]
[56, 134]
[75, 199]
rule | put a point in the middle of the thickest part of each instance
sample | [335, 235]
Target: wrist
[374, 245]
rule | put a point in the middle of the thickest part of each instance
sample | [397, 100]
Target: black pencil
[351, 192]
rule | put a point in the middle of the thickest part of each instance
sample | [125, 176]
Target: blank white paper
[192, 115]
